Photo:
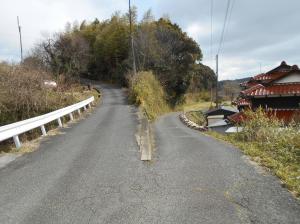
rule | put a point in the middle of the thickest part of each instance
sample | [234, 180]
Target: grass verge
[271, 146]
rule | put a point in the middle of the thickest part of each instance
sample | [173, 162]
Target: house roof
[282, 70]
[221, 108]
[282, 67]
[283, 89]
[269, 76]
[242, 102]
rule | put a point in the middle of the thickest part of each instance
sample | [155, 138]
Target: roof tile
[276, 89]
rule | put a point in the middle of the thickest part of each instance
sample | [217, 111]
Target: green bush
[147, 92]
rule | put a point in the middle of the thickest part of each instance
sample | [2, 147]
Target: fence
[15, 129]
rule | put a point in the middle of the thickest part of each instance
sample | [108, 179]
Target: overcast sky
[259, 32]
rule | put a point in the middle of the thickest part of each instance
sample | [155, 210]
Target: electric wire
[224, 26]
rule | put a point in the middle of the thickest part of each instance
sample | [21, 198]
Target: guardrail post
[71, 117]
[79, 111]
[84, 107]
[44, 133]
[59, 122]
[90, 106]
[17, 141]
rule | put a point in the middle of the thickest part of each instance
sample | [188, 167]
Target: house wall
[276, 102]
[214, 119]
[221, 129]
[294, 77]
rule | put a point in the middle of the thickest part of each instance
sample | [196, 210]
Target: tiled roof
[242, 102]
[269, 76]
[221, 108]
[251, 89]
[272, 75]
[287, 89]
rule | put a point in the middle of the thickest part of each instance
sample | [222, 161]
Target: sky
[259, 33]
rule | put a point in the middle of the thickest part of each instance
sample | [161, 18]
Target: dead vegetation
[272, 144]
[23, 95]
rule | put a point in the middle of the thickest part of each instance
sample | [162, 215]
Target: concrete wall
[220, 129]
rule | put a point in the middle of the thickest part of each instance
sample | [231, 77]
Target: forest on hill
[101, 50]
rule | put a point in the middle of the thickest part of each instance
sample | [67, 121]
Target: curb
[144, 138]
[190, 123]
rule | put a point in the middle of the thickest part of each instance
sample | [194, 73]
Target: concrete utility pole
[19, 28]
[132, 44]
[217, 75]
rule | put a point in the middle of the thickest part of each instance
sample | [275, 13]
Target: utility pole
[132, 44]
[211, 96]
[19, 28]
[217, 75]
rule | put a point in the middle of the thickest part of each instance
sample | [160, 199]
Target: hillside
[230, 89]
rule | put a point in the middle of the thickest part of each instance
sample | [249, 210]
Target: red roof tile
[267, 77]
[242, 102]
[270, 76]
[276, 89]
[237, 117]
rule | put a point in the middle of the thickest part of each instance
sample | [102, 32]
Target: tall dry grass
[24, 95]
[273, 144]
[147, 92]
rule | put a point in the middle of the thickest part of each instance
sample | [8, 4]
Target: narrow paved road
[92, 174]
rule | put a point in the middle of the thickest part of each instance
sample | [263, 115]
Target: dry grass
[31, 140]
[197, 117]
[194, 106]
[23, 95]
[147, 92]
[267, 144]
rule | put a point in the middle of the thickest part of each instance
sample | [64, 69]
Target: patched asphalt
[93, 174]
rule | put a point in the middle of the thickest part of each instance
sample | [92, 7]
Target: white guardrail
[15, 129]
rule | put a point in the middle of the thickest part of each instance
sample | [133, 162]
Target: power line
[229, 19]
[224, 25]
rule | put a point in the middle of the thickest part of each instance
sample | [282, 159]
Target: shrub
[147, 92]
[23, 94]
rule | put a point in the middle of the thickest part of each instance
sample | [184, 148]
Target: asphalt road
[92, 174]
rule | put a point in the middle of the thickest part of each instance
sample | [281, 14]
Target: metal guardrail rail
[15, 129]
